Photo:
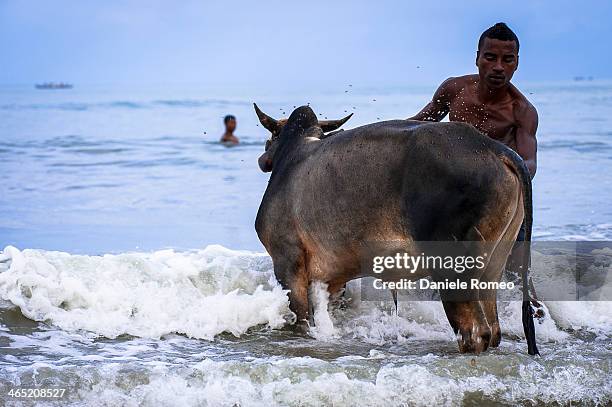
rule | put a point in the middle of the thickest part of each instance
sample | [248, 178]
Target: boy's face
[230, 125]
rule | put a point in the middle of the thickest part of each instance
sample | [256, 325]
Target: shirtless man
[487, 100]
[228, 137]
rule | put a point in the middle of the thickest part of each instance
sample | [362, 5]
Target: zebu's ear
[330, 125]
[269, 123]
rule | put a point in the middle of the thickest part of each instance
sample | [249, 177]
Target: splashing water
[209, 326]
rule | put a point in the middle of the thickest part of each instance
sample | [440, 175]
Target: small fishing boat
[53, 85]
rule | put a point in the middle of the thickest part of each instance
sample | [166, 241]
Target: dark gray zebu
[390, 181]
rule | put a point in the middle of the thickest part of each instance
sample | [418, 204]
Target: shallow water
[98, 170]
[151, 302]
[209, 327]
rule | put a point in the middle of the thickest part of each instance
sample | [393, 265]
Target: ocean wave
[200, 103]
[306, 381]
[125, 104]
[363, 353]
[199, 294]
[206, 292]
[576, 145]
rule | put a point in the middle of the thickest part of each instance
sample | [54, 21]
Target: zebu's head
[302, 123]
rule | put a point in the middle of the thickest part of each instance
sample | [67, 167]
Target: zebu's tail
[515, 162]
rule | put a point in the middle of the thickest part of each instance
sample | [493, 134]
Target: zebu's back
[394, 180]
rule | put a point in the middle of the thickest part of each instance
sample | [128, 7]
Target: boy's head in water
[230, 123]
[230, 126]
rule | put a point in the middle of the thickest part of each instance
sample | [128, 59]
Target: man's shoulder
[463, 79]
[522, 106]
[455, 84]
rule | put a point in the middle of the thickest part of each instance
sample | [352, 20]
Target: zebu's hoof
[495, 336]
[474, 340]
[301, 327]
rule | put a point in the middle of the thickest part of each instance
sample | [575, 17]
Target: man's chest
[496, 121]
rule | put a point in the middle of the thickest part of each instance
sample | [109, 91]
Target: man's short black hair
[228, 118]
[499, 31]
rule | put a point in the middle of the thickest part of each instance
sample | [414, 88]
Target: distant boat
[53, 85]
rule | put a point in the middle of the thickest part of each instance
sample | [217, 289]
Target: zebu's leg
[473, 315]
[493, 273]
[499, 229]
[463, 307]
[469, 323]
[290, 271]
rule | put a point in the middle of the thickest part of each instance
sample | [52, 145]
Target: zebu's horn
[269, 123]
[330, 125]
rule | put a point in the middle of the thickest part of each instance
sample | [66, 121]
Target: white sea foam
[308, 381]
[205, 292]
[323, 325]
[199, 294]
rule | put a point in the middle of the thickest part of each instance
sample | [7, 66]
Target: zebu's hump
[388, 126]
[465, 133]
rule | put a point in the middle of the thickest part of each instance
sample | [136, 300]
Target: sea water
[131, 273]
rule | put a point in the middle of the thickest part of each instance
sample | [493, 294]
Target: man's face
[230, 125]
[497, 61]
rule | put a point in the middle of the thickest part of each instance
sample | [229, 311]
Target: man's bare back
[489, 102]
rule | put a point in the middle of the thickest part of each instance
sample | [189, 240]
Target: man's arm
[526, 143]
[439, 106]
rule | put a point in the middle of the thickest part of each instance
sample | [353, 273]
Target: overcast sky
[376, 41]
